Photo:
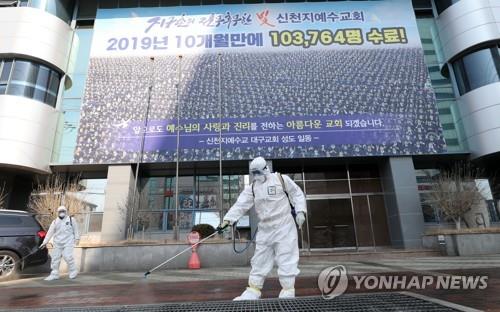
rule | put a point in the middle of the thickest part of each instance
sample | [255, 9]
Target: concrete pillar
[404, 212]
[114, 221]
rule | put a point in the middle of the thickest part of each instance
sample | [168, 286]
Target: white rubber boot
[73, 274]
[287, 293]
[249, 294]
[51, 278]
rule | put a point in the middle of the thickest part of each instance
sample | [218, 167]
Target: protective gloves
[220, 229]
[300, 218]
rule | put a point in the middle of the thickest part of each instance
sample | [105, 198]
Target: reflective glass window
[108, 4]
[51, 99]
[21, 71]
[477, 69]
[54, 82]
[363, 171]
[442, 5]
[149, 3]
[39, 4]
[86, 9]
[93, 193]
[129, 3]
[42, 81]
[39, 95]
[63, 9]
[32, 73]
[72, 97]
[42, 78]
[15, 89]
[29, 79]
[6, 69]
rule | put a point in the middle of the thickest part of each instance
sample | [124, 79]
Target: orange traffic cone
[194, 260]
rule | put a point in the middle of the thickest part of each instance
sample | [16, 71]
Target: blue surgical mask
[62, 215]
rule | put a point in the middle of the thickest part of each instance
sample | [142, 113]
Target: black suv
[20, 235]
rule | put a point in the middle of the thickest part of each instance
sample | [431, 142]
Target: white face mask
[260, 178]
[62, 215]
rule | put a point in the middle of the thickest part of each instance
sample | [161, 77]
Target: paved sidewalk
[104, 289]
[309, 267]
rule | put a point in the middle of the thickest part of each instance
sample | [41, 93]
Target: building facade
[50, 76]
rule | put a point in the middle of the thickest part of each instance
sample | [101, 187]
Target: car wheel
[9, 265]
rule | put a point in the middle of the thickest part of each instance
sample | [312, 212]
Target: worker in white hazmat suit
[271, 194]
[64, 231]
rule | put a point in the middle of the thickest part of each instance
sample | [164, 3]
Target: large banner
[327, 79]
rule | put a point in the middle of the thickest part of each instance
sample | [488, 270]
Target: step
[383, 253]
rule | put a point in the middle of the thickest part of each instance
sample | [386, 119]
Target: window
[129, 3]
[42, 81]
[5, 69]
[72, 97]
[28, 79]
[199, 201]
[20, 72]
[440, 82]
[8, 3]
[442, 5]
[426, 182]
[93, 194]
[11, 221]
[477, 69]
[422, 4]
[492, 209]
[63, 9]
[5, 72]
[87, 10]
[22, 79]
[108, 4]
[149, 3]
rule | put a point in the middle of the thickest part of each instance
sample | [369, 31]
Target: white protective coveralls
[277, 233]
[65, 235]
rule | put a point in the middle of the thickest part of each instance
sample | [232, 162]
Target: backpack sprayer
[292, 210]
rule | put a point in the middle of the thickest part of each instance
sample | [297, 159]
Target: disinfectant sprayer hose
[180, 253]
[248, 243]
[30, 254]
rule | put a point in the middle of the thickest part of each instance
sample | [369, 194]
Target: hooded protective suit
[64, 231]
[277, 234]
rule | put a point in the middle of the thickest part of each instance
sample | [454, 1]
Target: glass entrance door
[331, 223]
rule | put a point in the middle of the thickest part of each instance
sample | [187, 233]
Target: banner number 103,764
[326, 37]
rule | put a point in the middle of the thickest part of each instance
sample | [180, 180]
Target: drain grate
[377, 302]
